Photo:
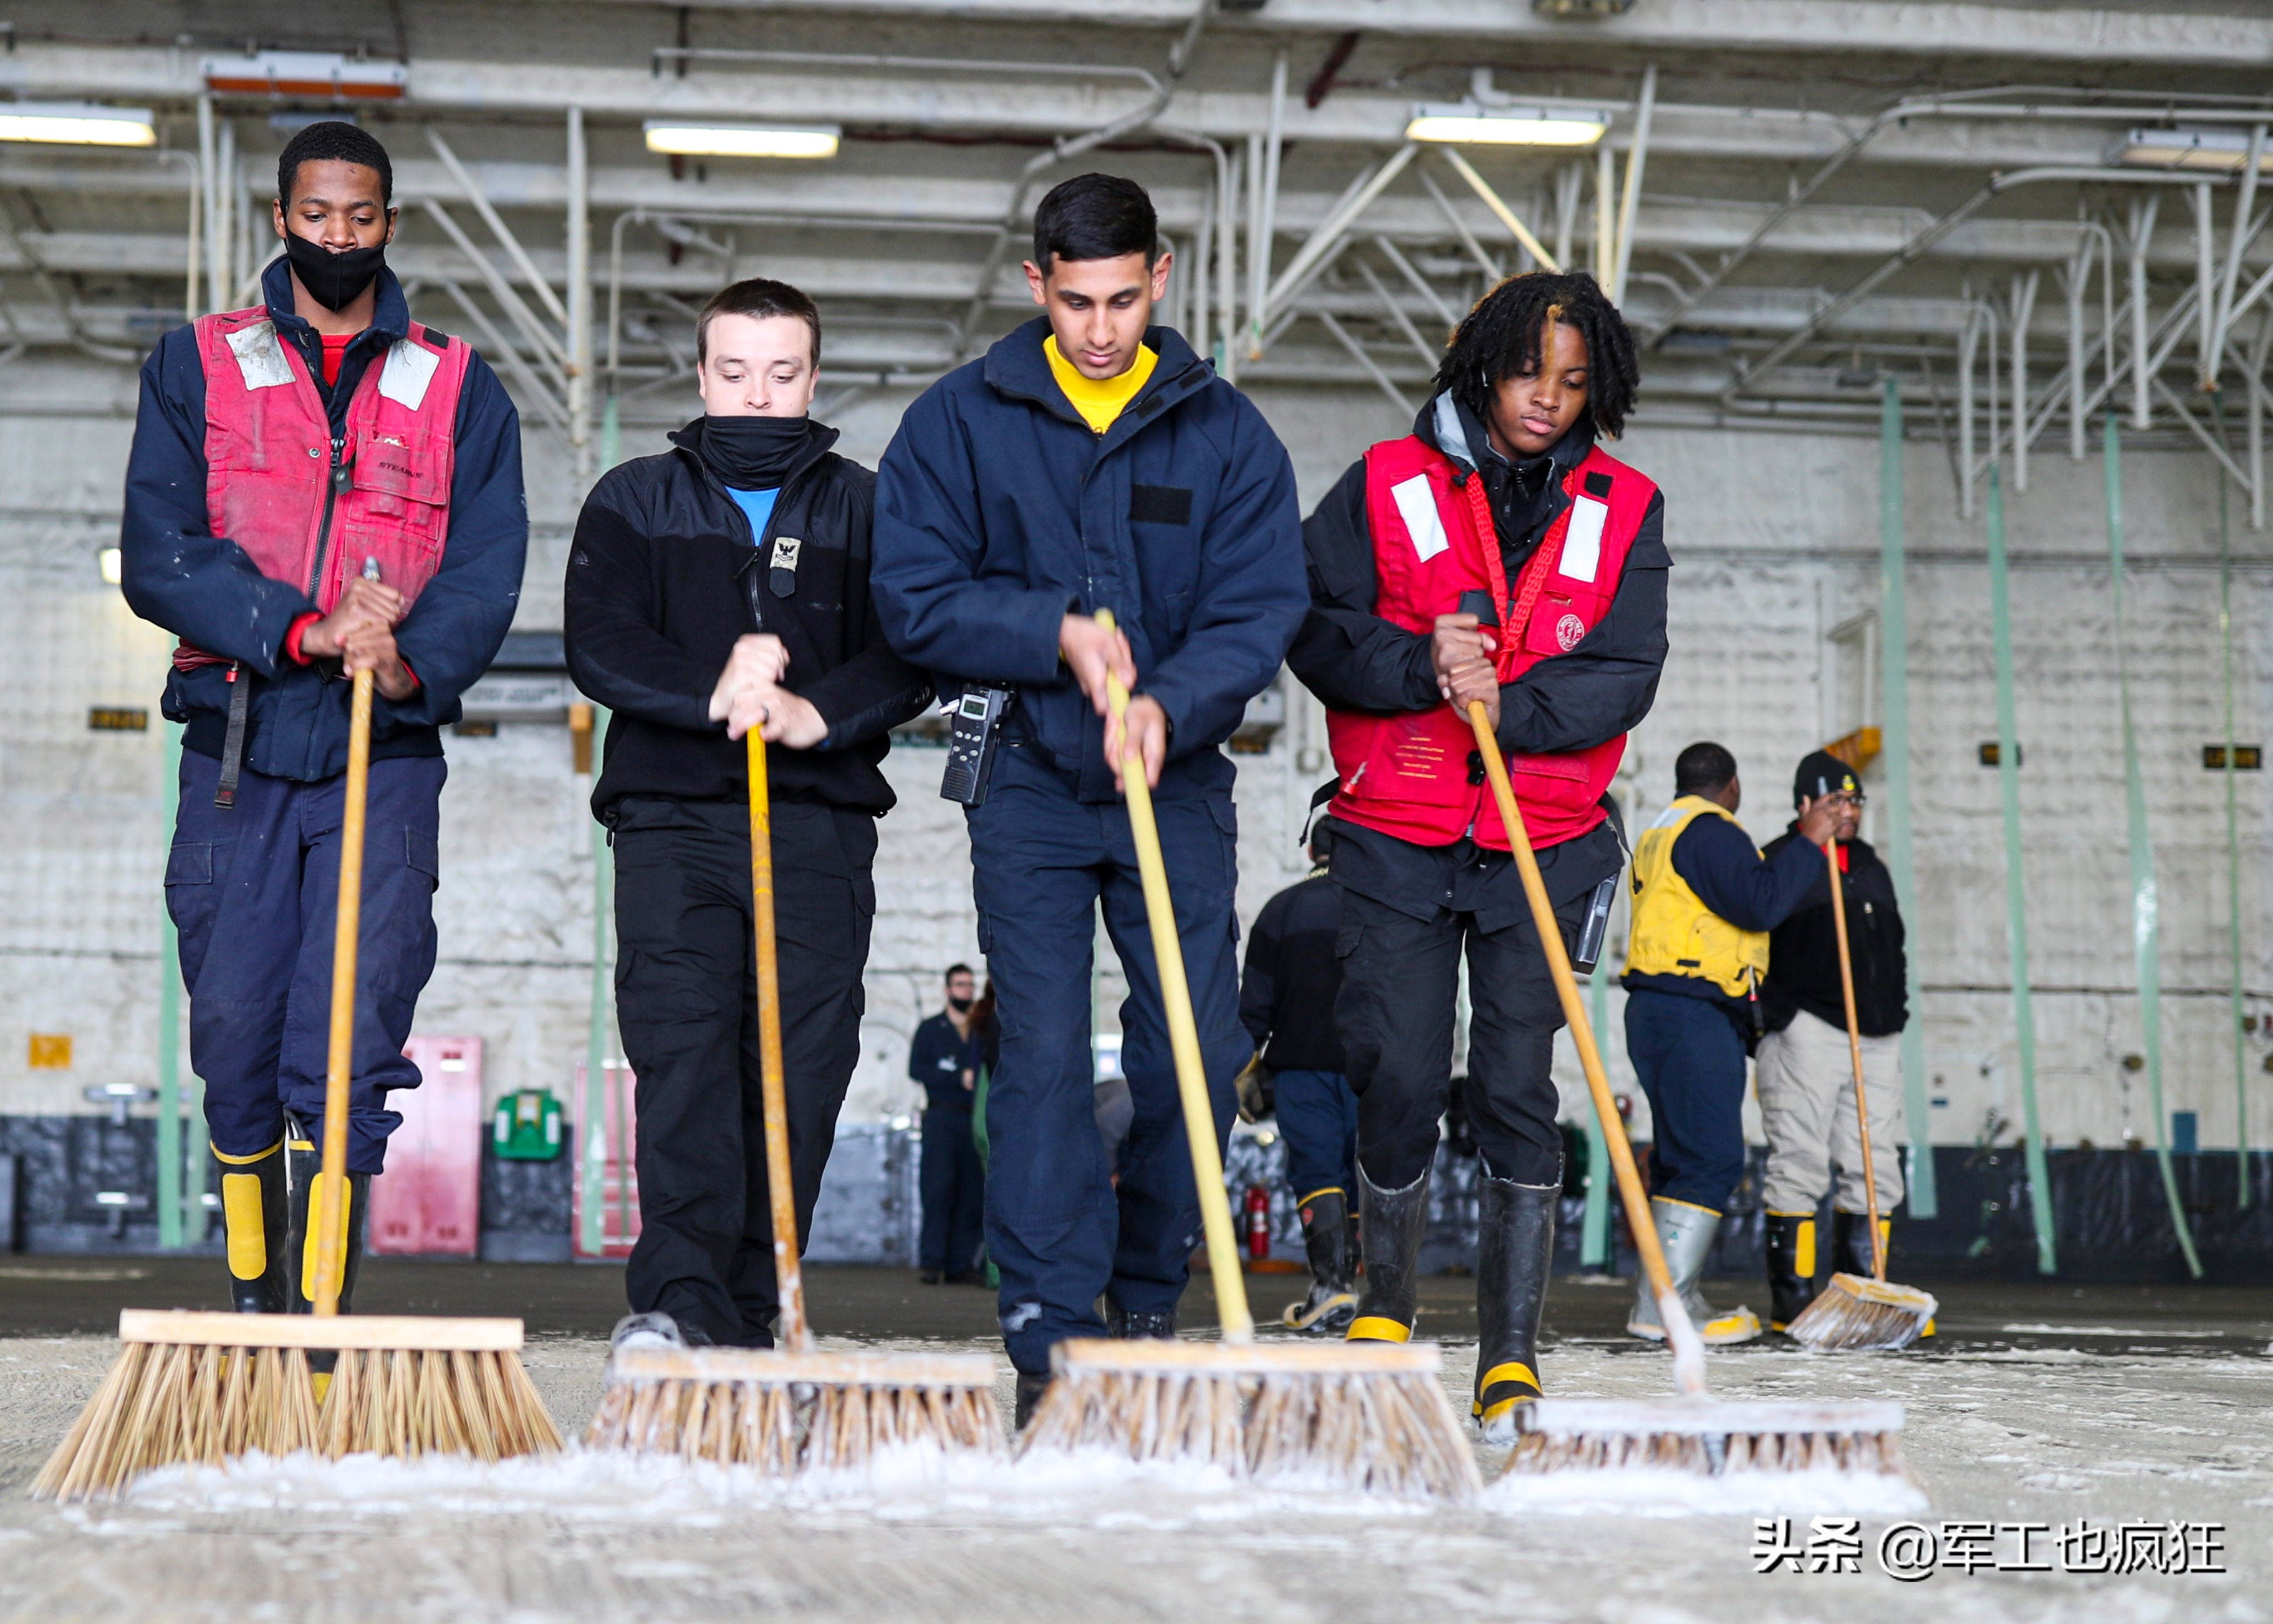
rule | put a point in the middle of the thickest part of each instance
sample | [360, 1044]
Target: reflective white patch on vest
[408, 369]
[1417, 504]
[260, 356]
[1670, 816]
[1582, 542]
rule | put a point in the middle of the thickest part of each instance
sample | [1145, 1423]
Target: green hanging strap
[2146, 927]
[2232, 833]
[173, 1217]
[596, 1140]
[1894, 683]
[2016, 910]
[1594, 1226]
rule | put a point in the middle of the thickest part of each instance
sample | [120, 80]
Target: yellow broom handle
[1183, 1035]
[788, 1279]
[339, 1064]
[1688, 1352]
[1855, 1057]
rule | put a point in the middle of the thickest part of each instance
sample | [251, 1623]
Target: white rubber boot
[1686, 1233]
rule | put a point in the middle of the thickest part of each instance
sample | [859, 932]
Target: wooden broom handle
[1232, 1311]
[789, 1278]
[1688, 1351]
[1855, 1057]
[339, 1063]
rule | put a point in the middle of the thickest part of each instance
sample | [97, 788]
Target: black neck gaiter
[753, 453]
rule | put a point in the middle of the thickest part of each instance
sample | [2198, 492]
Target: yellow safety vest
[1673, 932]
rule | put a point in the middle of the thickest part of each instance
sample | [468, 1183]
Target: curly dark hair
[1501, 337]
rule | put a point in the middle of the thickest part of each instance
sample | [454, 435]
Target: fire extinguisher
[1258, 1222]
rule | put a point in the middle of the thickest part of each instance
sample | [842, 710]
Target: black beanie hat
[1821, 773]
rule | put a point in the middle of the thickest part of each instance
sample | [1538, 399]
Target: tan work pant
[1806, 1084]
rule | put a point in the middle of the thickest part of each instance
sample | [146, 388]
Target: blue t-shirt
[758, 504]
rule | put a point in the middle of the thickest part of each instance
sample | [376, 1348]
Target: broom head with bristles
[789, 1412]
[203, 1388]
[1856, 1311]
[1709, 1436]
[1367, 1415]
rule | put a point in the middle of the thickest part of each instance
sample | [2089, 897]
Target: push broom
[1692, 1430]
[794, 1407]
[1852, 1313]
[191, 1388]
[1370, 1416]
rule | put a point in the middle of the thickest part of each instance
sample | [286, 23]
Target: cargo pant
[253, 890]
[1058, 1229]
[1806, 1083]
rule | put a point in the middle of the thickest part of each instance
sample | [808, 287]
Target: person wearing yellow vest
[1704, 901]
[1501, 501]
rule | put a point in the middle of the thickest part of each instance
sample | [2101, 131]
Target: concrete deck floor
[2045, 1403]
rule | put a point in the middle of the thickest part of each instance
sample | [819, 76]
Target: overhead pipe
[2024, 305]
[1497, 205]
[2141, 223]
[2205, 284]
[1484, 261]
[2243, 231]
[1636, 155]
[1266, 213]
[580, 299]
[1311, 260]
[1420, 286]
[1926, 239]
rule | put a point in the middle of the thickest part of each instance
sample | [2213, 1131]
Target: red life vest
[1410, 774]
[308, 514]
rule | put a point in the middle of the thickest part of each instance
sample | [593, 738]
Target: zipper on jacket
[334, 483]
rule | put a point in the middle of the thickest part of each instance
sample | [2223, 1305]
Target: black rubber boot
[1031, 1389]
[1850, 1242]
[1122, 1325]
[1392, 1222]
[302, 1164]
[1791, 1266]
[255, 1215]
[1331, 1304]
[1515, 1251]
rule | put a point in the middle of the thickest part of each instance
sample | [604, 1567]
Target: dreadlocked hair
[1501, 336]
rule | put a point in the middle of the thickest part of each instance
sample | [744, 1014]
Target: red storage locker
[610, 1142]
[428, 1203]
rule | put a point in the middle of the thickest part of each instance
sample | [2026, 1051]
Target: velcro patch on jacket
[1417, 504]
[785, 550]
[1159, 505]
[259, 356]
[408, 369]
[1582, 542]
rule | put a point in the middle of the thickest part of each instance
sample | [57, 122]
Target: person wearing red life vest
[318, 486]
[1499, 496]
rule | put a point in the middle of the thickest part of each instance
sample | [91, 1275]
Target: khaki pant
[1806, 1084]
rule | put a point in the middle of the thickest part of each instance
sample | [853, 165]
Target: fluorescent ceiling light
[666, 135]
[1508, 126]
[76, 123]
[2226, 151]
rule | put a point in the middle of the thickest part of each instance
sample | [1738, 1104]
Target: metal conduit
[2017, 907]
[2146, 923]
[1895, 706]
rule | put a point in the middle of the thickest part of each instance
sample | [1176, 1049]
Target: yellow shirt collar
[1099, 401]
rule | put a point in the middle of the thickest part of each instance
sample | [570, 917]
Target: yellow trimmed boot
[1686, 1232]
[1791, 1266]
[1514, 1251]
[302, 1164]
[255, 1215]
[1331, 1304]
[1391, 1224]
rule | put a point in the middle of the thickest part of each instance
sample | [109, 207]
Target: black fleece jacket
[663, 576]
[1287, 997]
[1804, 950]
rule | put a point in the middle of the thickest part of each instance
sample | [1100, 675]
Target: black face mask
[753, 453]
[960, 1005]
[334, 281]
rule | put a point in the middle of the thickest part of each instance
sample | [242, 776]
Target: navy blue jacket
[177, 573]
[937, 1060]
[998, 512]
[1749, 891]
